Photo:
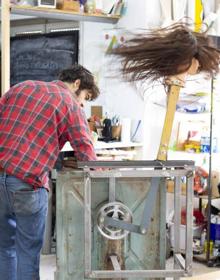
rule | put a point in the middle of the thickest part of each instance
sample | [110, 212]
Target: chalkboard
[41, 57]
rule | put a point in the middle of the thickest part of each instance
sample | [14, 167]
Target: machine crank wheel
[115, 210]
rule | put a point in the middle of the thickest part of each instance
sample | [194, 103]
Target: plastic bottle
[205, 142]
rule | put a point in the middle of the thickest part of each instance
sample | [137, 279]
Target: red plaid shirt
[36, 120]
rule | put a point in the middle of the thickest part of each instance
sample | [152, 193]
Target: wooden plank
[174, 84]
[5, 49]
[173, 97]
[62, 14]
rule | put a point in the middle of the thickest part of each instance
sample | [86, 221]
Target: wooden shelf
[202, 257]
[61, 14]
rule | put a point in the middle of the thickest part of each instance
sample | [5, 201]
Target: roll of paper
[126, 130]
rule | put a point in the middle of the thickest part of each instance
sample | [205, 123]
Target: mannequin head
[167, 52]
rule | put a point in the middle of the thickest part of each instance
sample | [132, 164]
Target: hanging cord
[210, 173]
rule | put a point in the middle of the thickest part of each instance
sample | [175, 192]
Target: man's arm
[79, 136]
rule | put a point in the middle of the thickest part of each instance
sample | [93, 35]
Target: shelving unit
[199, 158]
[7, 10]
[61, 14]
[210, 160]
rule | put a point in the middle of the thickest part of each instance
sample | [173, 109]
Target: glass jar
[90, 7]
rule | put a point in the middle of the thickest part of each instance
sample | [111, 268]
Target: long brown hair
[166, 52]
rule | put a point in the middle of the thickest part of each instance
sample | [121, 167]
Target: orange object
[200, 180]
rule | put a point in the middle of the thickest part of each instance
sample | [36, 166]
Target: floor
[48, 267]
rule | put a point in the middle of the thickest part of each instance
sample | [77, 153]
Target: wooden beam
[174, 85]
[5, 45]
[173, 97]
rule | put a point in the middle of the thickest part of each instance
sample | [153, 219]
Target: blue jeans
[22, 223]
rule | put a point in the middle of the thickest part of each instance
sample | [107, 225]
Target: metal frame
[182, 267]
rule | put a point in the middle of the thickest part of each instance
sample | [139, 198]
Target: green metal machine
[111, 223]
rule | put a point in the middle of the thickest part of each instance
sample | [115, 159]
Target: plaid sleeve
[79, 135]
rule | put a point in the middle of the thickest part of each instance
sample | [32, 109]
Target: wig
[166, 52]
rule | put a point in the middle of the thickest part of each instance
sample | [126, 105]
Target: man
[36, 119]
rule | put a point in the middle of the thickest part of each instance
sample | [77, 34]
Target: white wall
[118, 96]
[141, 14]
[153, 124]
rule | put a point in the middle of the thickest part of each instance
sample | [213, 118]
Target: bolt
[143, 231]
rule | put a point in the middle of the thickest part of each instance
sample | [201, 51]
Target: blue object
[82, 2]
[215, 232]
[22, 222]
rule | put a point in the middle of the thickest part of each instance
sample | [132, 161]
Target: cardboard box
[72, 5]
[96, 111]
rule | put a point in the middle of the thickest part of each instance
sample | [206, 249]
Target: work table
[99, 145]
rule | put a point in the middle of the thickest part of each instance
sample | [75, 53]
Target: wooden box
[72, 5]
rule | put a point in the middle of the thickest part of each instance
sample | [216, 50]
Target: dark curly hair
[166, 52]
[86, 78]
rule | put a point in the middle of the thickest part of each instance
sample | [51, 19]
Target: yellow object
[113, 44]
[168, 123]
[174, 83]
[210, 246]
[198, 15]
[189, 148]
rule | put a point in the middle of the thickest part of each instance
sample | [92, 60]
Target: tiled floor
[48, 267]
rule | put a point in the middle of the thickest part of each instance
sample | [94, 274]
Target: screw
[143, 231]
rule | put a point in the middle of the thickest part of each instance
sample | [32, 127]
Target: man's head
[81, 82]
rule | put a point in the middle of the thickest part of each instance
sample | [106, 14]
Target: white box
[197, 230]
